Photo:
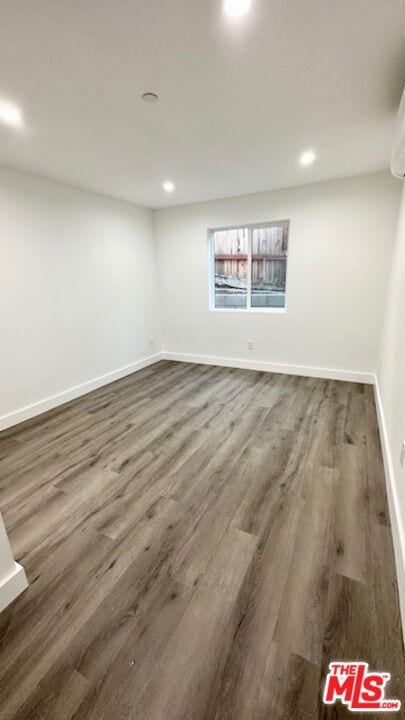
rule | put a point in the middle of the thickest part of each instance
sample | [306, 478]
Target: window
[248, 267]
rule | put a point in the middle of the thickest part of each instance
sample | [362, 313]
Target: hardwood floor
[200, 543]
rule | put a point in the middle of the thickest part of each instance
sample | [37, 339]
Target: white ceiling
[239, 100]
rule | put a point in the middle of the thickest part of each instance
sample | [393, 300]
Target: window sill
[263, 311]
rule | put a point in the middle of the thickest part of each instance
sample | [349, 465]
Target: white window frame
[211, 268]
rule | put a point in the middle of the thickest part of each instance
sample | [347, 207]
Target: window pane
[231, 264]
[269, 266]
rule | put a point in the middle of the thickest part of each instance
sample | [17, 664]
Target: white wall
[78, 293]
[6, 556]
[12, 576]
[391, 396]
[341, 240]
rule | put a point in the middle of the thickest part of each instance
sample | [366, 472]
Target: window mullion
[249, 271]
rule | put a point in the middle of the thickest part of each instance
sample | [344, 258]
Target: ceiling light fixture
[236, 8]
[168, 186]
[10, 114]
[150, 97]
[307, 158]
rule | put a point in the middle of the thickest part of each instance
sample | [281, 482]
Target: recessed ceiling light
[10, 114]
[150, 97]
[307, 158]
[168, 186]
[235, 8]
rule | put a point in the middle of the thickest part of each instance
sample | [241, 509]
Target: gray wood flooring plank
[200, 543]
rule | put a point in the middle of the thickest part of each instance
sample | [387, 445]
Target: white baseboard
[12, 586]
[61, 398]
[398, 531]
[306, 371]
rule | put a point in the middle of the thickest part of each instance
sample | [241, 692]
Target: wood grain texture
[200, 543]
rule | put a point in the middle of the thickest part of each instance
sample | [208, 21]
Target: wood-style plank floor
[200, 543]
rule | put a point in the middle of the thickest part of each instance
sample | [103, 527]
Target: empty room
[202, 359]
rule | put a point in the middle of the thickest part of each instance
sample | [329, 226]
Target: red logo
[361, 691]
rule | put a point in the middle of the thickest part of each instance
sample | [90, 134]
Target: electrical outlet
[151, 340]
[402, 455]
[251, 344]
